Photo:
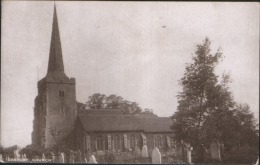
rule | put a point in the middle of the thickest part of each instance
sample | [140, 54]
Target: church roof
[110, 122]
[55, 66]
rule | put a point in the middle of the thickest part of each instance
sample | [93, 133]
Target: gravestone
[156, 156]
[188, 149]
[43, 156]
[71, 157]
[215, 150]
[144, 151]
[257, 162]
[53, 158]
[1, 158]
[61, 158]
[92, 159]
[86, 161]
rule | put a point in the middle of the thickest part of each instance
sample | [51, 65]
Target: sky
[136, 50]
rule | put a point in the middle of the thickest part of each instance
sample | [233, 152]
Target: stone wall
[61, 111]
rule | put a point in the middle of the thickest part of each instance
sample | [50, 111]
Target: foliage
[101, 101]
[206, 107]
[244, 154]
[195, 100]
[31, 152]
[96, 101]
[80, 106]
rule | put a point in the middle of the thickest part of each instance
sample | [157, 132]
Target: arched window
[116, 142]
[99, 143]
[132, 142]
[159, 140]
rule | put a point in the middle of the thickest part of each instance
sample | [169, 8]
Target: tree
[96, 101]
[206, 107]
[131, 107]
[198, 83]
[101, 101]
[114, 102]
[81, 106]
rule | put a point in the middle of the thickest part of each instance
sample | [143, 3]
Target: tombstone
[71, 157]
[144, 151]
[16, 155]
[257, 162]
[61, 158]
[1, 159]
[43, 156]
[53, 158]
[156, 156]
[86, 161]
[138, 151]
[188, 149]
[92, 159]
[215, 150]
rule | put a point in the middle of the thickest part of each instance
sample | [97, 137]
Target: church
[57, 119]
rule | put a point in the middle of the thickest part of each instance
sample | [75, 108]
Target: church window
[143, 138]
[116, 143]
[109, 146]
[173, 143]
[157, 140]
[132, 142]
[99, 143]
[61, 93]
[168, 141]
[125, 141]
[87, 142]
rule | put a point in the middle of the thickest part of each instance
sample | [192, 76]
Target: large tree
[198, 83]
[206, 107]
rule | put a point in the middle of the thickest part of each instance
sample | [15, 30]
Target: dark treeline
[101, 101]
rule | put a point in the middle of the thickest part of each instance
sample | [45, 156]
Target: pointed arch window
[99, 143]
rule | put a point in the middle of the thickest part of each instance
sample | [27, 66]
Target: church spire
[55, 66]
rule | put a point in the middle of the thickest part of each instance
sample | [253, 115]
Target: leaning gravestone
[156, 156]
[92, 159]
[215, 150]
[144, 151]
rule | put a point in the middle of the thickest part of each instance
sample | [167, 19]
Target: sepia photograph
[129, 82]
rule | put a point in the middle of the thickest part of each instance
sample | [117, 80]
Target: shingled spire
[55, 66]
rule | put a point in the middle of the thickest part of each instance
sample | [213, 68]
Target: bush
[244, 154]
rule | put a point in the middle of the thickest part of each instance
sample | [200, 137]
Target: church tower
[55, 105]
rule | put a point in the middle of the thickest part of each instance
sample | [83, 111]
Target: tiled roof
[110, 122]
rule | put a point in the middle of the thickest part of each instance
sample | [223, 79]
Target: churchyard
[182, 153]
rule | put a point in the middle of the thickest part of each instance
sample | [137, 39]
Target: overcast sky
[137, 50]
